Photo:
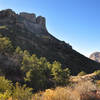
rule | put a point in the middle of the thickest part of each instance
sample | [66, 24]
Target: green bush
[97, 72]
[60, 76]
[5, 45]
[82, 73]
[6, 88]
[22, 92]
[17, 92]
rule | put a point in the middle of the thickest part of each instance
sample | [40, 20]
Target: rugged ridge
[30, 33]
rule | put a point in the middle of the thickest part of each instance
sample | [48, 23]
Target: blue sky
[76, 22]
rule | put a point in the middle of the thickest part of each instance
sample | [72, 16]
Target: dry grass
[81, 91]
[84, 87]
[60, 93]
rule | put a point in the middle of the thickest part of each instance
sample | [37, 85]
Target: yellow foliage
[5, 95]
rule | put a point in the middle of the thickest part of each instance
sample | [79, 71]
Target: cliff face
[30, 33]
[95, 56]
[23, 20]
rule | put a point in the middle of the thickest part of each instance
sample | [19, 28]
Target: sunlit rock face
[95, 56]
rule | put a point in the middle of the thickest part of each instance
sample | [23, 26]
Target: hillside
[30, 33]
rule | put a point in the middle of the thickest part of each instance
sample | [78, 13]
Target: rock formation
[95, 56]
[30, 33]
[24, 20]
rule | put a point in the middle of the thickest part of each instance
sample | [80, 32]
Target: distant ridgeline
[30, 33]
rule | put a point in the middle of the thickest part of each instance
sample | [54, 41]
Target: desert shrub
[82, 73]
[17, 92]
[97, 72]
[6, 88]
[37, 96]
[18, 51]
[87, 90]
[5, 45]
[22, 92]
[60, 93]
[85, 86]
[97, 82]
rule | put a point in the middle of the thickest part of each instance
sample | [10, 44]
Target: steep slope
[30, 33]
[95, 56]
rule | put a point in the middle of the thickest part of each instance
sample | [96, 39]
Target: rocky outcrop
[95, 56]
[24, 20]
[41, 20]
[7, 13]
[27, 16]
[7, 17]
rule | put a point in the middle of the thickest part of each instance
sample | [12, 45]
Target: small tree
[60, 76]
[5, 45]
[97, 72]
[35, 71]
[18, 50]
[82, 73]
[36, 79]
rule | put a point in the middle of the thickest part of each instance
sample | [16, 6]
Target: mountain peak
[95, 56]
[29, 33]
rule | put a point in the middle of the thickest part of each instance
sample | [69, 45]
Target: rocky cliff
[23, 20]
[30, 33]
